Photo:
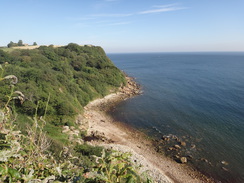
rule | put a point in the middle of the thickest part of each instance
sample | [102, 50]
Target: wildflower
[21, 96]
[19, 93]
[13, 78]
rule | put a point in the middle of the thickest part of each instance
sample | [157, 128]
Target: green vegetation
[53, 86]
[19, 44]
[6, 49]
[67, 77]
[12, 44]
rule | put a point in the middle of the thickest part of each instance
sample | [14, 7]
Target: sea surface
[195, 98]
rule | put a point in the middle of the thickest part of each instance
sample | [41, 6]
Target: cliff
[57, 82]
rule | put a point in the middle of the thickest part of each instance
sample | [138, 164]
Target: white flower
[13, 78]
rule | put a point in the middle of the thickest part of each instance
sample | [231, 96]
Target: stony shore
[103, 130]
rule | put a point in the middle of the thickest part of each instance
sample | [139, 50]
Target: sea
[193, 99]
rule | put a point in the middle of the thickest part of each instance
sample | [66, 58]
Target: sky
[123, 26]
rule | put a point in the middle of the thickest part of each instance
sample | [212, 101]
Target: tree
[34, 44]
[12, 44]
[20, 43]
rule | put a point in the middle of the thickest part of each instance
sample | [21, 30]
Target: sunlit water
[198, 97]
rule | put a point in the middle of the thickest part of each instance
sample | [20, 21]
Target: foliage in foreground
[27, 158]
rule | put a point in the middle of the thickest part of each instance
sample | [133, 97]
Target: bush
[88, 150]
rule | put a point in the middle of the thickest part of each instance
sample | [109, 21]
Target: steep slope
[58, 82]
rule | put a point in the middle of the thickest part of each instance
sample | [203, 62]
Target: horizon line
[175, 52]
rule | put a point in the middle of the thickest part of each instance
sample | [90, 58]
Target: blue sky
[126, 25]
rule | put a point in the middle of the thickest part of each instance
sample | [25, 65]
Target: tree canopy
[20, 43]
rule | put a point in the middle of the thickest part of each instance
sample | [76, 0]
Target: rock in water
[183, 160]
[177, 147]
[182, 143]
[224, 162]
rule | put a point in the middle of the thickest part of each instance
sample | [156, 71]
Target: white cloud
[106, 18]
[162, 8]
[165, 6]
[108, 22]
[120, 23]
[112, 15]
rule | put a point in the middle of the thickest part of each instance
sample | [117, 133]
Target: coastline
[104, 131]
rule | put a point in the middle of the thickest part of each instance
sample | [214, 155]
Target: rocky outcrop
[130, 89]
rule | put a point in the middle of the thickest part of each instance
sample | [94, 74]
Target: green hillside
[66, 78]
[41, 91]
[72, 75]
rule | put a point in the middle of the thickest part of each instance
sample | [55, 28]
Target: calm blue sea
[198, 97]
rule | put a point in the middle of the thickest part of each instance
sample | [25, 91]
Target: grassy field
[18, 47]
[6, 49]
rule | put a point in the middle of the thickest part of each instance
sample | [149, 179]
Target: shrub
[88, 150]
